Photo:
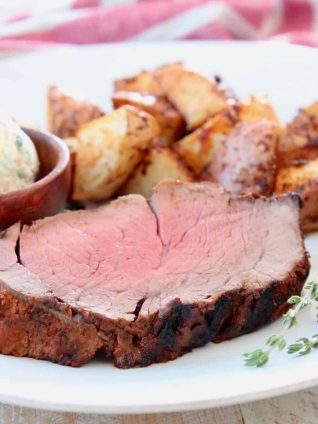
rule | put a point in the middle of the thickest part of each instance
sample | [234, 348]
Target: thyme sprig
[302, 346]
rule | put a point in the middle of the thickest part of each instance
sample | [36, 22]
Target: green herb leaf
[19, 141]
[258, 358]
[20, 173]
[272, 340]
[294, 299]
[294, 348]
[282, 344]
[304, 345]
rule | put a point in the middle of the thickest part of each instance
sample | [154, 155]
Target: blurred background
[27, 24]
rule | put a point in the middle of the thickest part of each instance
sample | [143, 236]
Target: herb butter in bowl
[34, 174]
[19, 161]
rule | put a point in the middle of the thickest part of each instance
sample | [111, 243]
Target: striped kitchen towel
[27, 24]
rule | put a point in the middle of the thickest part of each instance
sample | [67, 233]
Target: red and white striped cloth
[42, 23]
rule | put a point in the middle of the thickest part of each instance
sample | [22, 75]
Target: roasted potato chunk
[197, 149]
[299, 140]
[246, 161]
[158, 164]
[108, 150]
[302, 179]
[312, 112]
[65, 114]
[194, 96]
[142, 83]
[256, 108]
[171, 123]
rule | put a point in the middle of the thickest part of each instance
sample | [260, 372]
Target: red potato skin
[246, 161]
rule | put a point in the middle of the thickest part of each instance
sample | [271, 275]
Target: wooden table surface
[297, 408]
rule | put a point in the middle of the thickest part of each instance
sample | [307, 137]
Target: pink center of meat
[191, 243]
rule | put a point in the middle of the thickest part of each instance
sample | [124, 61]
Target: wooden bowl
[48, 195]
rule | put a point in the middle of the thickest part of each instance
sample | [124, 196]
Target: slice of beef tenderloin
[33, 322]
[148, 282]
[246, 160]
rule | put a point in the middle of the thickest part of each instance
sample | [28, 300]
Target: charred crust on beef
[177, 317]
[297, 198]
[138, 307]
[17, 250]
[218, 315]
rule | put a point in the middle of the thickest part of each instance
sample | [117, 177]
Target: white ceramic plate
[210, 376]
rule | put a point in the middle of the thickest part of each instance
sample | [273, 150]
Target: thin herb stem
[303, 346]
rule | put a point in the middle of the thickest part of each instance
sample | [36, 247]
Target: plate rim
[157, 408]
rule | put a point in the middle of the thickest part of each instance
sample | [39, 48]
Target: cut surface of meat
[94, 259]
[147, 282]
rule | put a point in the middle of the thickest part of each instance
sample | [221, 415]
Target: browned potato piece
[158, 164]
[142, 83]
[197, 149]
[256, 108]
[171, 123]
[108, 150]
[246, 160]
[302, 179]
[194, 96]
[299, 140]
[312, 112]
[65, 114]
